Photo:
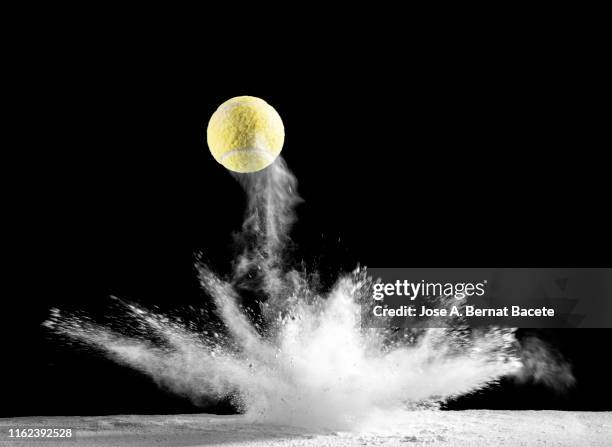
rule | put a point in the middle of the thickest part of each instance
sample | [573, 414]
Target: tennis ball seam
[251, 150]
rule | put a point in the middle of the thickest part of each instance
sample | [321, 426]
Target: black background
[490, 158]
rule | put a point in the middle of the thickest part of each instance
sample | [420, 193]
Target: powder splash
[304, 358]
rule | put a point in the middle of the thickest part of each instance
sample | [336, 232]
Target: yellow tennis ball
[245, 134]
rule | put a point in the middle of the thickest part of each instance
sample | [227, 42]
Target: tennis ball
[245, 134]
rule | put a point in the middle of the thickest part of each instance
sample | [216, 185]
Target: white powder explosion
[305, 358]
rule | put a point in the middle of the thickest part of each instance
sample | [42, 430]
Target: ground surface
[460, 428]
